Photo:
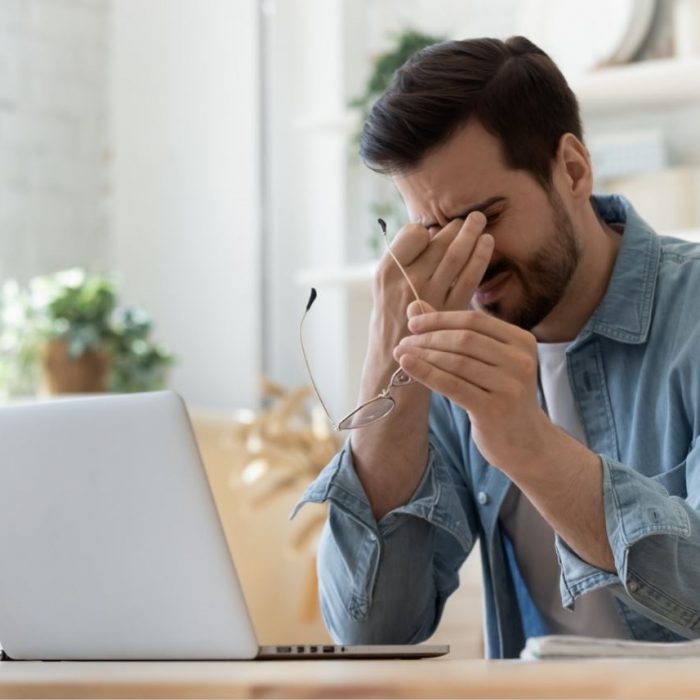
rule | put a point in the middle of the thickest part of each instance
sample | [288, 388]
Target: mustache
[496, 269]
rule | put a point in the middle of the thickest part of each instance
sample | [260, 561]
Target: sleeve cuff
[434, 499]
[636, 507]
[338, 483]
[359, 540]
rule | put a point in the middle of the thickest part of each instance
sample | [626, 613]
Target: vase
[63, 374]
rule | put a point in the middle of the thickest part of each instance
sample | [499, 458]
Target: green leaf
[407, 43]
[81, 309]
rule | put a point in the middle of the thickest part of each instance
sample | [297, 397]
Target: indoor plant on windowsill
[65, 334]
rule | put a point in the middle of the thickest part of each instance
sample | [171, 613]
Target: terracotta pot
[62, 374]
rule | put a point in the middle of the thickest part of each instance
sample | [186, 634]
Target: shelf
[662, 83]
[359, 277]
[353, 276]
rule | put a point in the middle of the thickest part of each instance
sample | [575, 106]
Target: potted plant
[65, 334]
[406, 43]
[138, 363]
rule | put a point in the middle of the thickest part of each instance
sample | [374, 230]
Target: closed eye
[434, 229]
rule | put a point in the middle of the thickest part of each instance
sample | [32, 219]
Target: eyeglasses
[384, 403]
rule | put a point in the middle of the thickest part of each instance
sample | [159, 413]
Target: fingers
[463, 342]
[468, 279]
[415, 308]
[456, 259]
[442, 382]
[476, 372]
[408, 244]
[471, 320]
[439, 244]
[459, 251]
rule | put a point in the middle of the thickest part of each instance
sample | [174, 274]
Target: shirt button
[483, 498]
[632, 585]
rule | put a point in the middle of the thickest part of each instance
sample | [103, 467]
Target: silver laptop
[111, 547]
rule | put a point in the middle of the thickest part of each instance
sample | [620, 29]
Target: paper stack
[571, 647]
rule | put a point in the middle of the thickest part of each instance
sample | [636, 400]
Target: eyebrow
[478, 206]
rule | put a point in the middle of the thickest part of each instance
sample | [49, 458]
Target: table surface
[425, 678]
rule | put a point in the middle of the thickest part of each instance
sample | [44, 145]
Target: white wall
[185, 135]
[306, 192]
[53, 136]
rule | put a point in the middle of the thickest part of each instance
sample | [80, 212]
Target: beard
[545, 277]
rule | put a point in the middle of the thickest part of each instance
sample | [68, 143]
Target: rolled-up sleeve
[387, 581]
[653, 526]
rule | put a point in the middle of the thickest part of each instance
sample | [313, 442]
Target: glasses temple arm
[382, 223]
[306, 359]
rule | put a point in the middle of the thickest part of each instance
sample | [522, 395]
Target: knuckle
[439, 247]
[447, 235]
[471, 318]
[466, 337]
[456, 362]
[451, 258]
[384, 272]
[523, 363]
[452, 386]
[412, 229]
[529, 365]
[413, 234]
[529, 339]
[409, 242]
[480, 258]
[452, 228]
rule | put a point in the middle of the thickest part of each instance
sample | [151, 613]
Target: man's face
[536, 247]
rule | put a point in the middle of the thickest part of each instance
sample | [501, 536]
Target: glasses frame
[398, 379]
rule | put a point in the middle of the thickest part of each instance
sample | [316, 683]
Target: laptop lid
[110, 542]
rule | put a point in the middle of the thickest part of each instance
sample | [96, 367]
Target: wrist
[537, 443]
[387, 329]
[552, 457]
[378, 367]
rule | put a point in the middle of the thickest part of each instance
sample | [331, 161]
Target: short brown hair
[511, 87]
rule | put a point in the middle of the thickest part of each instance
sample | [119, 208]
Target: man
[555, 412]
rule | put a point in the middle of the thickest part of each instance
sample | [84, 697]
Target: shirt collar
[625, 312]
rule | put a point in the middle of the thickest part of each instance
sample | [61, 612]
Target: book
[575, 647]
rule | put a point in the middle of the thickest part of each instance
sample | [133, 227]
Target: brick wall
[53, 135]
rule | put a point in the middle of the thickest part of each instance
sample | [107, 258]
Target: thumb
[416, 308]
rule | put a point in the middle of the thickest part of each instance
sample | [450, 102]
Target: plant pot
[62, 374]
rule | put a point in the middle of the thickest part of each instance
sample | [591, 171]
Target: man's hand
[390, 455]
[489, 368]
[445, 270]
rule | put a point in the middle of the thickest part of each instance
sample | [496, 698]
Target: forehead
[466, 169]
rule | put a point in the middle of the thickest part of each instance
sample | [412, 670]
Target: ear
[574, 168]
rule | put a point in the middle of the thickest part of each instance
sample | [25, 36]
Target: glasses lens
[400, 378]
[368, 413]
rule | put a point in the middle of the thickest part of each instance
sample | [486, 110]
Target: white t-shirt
[595, 613]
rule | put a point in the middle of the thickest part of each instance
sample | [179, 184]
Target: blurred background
[176, 174]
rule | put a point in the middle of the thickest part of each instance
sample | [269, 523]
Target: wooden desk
[437, 678]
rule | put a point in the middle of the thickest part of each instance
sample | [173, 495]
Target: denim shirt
[634, 371]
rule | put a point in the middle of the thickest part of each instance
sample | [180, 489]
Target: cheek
[517, 245]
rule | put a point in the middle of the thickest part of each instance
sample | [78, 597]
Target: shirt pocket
[673, 480]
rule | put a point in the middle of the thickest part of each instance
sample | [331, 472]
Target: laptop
[111, 547]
